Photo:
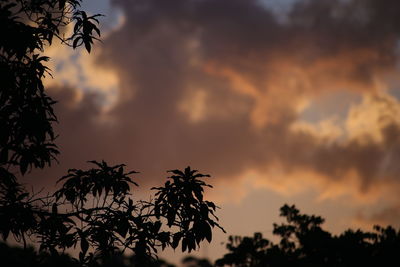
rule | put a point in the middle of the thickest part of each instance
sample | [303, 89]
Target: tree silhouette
[26, 113]
[191, 261]
[93, 210]
[303, 242]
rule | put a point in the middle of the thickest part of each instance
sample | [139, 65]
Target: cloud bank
[224, 86]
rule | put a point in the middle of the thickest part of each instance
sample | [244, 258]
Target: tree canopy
[303, 242]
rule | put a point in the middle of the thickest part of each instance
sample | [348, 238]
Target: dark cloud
[253, 70]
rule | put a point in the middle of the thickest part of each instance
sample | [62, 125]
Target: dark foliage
[26, 113]
[15, 256]
[93, 211]
[190, 261]
[303, 242]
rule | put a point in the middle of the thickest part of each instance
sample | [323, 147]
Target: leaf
[84, 245]
[207, 231]
[123, 227]
[23, 165]
[184, 244]
[175, 242]
[96, 30]
[198, 194]
[75, 43]
[87, 46]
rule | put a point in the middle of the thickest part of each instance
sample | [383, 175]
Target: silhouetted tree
[303, 242]
[191, 261]
[93, 210]
[26, 113]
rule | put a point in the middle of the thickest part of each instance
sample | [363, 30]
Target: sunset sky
[289, 101]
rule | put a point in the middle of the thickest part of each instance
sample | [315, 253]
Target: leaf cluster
[94, 211]
[181, 203]
[26, 111]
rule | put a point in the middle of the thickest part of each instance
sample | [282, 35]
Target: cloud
[386, 216]
[221, 85]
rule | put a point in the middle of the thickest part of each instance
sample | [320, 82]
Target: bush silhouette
[93, 210]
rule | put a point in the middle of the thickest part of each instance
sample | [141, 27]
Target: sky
[280, 101]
